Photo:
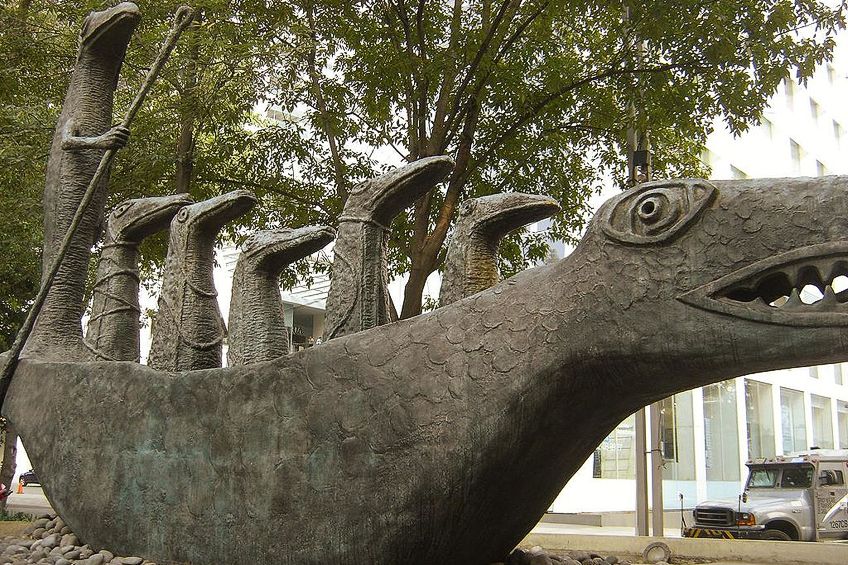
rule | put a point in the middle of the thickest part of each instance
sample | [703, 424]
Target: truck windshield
[785, 476]
[797, 477]
[763, 478]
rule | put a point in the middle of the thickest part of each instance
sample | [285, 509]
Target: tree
[533, 96]
[198, 131]
[529, 95]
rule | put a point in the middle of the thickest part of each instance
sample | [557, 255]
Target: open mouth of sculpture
[804, 287]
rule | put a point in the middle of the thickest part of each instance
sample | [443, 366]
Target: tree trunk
[187, 110]
[413, 292]
[424, 258]
[10, 453]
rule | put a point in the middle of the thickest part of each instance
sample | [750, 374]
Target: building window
[721, 432]
[792, 420]
[837, 373]
[831, 74]
[821, 170]
[822, 422]
[707, 157]
[615, 458]
[677, 437]
[842, 421]
[737, 173]
[789, 86]
[760, 419]
[768, 126]
[795, 154]
[815, 110]
[837, 132]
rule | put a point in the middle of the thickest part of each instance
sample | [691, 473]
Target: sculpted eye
[120, 210]
[656, 211]
[182, 216]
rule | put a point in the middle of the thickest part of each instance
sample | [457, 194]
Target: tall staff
[182, 19]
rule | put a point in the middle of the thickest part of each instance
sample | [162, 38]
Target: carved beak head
[381, 199]
[212, 214]
[134, 220]
[274, 250]
[498, 214]
[725, 277]
[110, 28]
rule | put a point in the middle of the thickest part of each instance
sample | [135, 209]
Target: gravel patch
[48, 540]
[538, 556]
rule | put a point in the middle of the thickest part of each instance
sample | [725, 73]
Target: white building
[709, 433]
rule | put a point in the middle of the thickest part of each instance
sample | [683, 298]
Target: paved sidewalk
[32, 501]
[579, 529]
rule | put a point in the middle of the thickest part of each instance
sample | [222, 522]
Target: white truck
[794, 497]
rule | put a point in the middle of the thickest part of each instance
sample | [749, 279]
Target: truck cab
[795, 497]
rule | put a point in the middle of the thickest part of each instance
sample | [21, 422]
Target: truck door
[831, 494]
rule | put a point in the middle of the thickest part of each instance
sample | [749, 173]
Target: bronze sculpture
[113, 326]
[80, 138]
[438, 439]
[257, 326]
[358, 297]
[471, 263]
[188, 330]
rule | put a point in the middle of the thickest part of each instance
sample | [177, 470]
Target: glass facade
[759, 414]
[677, 437]
[842, 420]
[792, 421]
[615, 458]
[822, 422]
[721, 432]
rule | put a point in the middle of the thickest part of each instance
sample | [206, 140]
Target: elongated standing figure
[188, 330]
[257, 324]
[472, 261]
[359, 297]
[113, 328]
[82, 135]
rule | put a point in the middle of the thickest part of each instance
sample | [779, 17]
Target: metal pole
[641, 475]
[640, 418]
[656, 471]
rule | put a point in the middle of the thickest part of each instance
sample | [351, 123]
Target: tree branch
[475, 63]
[338, 165]
[542, 104]
[439, 129]
[275, 189]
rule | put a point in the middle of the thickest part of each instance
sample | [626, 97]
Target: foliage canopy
[527, 95]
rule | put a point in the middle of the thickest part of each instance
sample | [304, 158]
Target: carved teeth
[798, 287]
[794, 302]
[829, 296]
[804, 287]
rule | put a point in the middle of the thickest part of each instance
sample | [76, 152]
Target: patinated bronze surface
[471, 264]
[82, 135]
[188, 329]
[438, 439]
[359, 297]
[443, 438]
[257, 325]
[113, 326]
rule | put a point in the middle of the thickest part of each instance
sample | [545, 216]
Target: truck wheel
[776, 535]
